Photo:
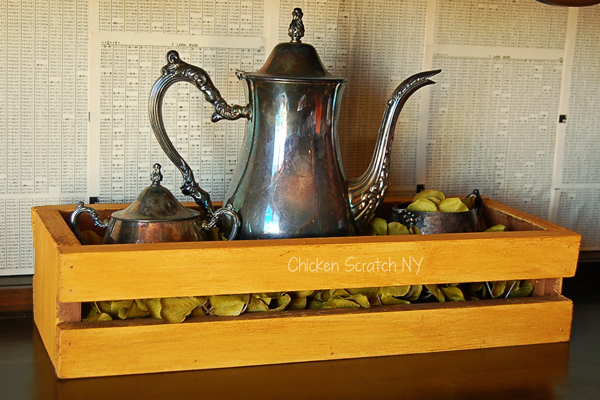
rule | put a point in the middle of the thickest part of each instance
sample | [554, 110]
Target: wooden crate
[68, 273]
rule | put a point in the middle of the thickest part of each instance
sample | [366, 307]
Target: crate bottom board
[87, 349]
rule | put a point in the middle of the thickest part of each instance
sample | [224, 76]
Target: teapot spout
[367, 192]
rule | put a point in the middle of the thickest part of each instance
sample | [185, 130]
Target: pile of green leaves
[177, 309]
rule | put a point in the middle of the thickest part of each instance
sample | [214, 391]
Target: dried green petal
[429, 193]
[422, 205]
[376, 227]
[341, 303]
[104, 306]
[301, 294]
[497, 228]
[339, 293]
[523, 290]
[453, 205]
[136, 312]
[498, 288]
[98, 317]
[414, 230]
[141, 303]
[118, 309]
[258, 304]
[204, 306]
[154, 307]
[396, 228]
[436, 292]
[175, 309]
[228, 305]
[416, 292]
[319, 295]
[297, 304]
[334, 294]
[453, 294]
[281, 302]
[389, 300]
[396, 291]
[315, 304]
[370, 291]
[360, 299]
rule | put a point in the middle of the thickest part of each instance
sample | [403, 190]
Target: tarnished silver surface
[367, 192]
[289, 180]
[155, 216]
[440, 222]
[178, 71]
[81, 208]
[296, 29]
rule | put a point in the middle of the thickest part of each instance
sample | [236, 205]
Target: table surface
[551, 371]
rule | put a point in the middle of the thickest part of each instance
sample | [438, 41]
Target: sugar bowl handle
[75, 216]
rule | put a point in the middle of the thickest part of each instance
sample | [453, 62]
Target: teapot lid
[155, 204]
[295, 60]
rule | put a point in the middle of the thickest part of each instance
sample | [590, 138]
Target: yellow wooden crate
[68, 273]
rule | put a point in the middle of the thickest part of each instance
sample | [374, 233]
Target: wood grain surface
[97, 349]
[107, 272]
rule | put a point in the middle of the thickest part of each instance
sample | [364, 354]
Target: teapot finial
[296, 30]
[155, 176]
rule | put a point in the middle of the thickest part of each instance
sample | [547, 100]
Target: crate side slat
[169, 270]
[230, 342]
[48, 311]
[515, 219]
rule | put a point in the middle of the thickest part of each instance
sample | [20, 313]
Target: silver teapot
[289, 181]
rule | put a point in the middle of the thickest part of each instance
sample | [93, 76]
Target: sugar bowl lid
[155, 204]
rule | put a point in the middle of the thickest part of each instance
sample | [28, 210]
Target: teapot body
[289, 180]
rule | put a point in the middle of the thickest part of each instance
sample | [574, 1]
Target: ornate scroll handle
[80, 210]
[177, 70]
[227, 210]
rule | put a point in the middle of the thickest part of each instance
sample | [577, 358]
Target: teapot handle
[75, 216]
[177, 70]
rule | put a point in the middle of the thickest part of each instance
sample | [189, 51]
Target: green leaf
[396, 228]
[437, 293]
[301, 294]
[389, 300]
[98, 317]
[497, 228]
[395, 291]
[376, 227]
[281, 302]
[498, 288]
[414, 230]
[154, 307]
[315, 304]
[175, 309]
[228, 305]
[416, 292]
[360, 299]
[453, 294]
[341, 303]
[525, 289]
[258, 304]
[118, 309]
[297, 304]
[135, 311]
